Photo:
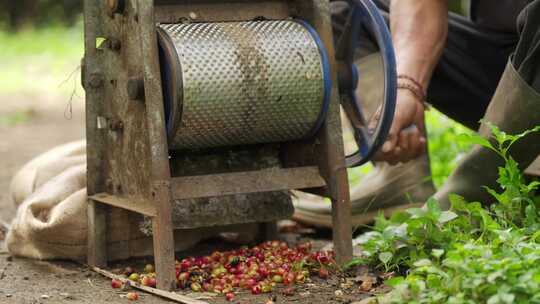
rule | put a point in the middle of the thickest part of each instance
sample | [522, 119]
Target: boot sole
[325, 220]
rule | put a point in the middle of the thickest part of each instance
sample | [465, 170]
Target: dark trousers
[473, 60]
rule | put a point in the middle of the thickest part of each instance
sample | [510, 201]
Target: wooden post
[331, 149]
[93, 83]
[163, 236]
[268, 231]
[97, 234]
[160, 172]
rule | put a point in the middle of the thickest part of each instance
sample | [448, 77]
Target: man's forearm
[419, 29]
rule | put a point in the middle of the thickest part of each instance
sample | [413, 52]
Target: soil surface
[32, 124]
[28, 281]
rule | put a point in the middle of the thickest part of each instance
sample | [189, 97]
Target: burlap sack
[51, 219]
[44, 167]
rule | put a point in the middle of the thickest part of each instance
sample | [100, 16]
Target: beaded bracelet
[414, 87]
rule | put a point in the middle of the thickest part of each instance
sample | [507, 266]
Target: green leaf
[536, 277]
[447, 216]
[385, 257]
[502, 297]
[393, 282]
[438, 253]
[423, 263]
[393, 232]
[433, 206]
[399, 217]
[533, 186]
[457, 202]
[353, 262]
[469, 254]
[417, 212]
[534, 237]
[433, 281]
[475, 139]
[497, 196]
[500, 136]
[517, 137]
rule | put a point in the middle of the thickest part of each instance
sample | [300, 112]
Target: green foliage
[444, 145]
[41, 60]
[18, 14]
[15, 118]
[468, 254]
[458, 6]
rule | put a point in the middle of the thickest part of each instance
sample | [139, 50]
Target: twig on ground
[3, 272]
[4, 228]
[4, 225]
[162, 293]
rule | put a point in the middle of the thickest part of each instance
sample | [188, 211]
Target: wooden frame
[129, 164]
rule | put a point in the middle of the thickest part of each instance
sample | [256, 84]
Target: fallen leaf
[366, 282]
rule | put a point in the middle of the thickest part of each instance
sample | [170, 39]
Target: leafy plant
[468, 254]
[445, 148]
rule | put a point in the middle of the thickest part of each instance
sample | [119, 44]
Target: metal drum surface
[238, 83]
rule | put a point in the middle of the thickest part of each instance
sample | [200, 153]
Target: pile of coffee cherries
[258, 269]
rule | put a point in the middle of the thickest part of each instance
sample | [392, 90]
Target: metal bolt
[114, 44]
[293, 10]
[193, 15]
[96, 80]
[135, 88]
[109, 185]
[116, 125]
[115, 6]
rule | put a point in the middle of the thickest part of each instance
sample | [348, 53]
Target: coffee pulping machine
[206, 113]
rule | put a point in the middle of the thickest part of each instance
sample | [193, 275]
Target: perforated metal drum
[239, 83]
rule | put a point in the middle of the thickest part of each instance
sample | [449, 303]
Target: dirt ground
[27, 281]
[32, 124]
[42, 126]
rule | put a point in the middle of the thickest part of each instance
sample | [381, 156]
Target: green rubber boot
[514, 108]
[386, 189]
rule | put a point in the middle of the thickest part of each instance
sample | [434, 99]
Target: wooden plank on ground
[162, 293]
[274, 179]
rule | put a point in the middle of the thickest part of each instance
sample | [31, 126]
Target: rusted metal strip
[274, 179]
[215, 11]
[138, 205]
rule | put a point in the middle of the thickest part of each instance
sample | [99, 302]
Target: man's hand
[419, 30]
[406, 139]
